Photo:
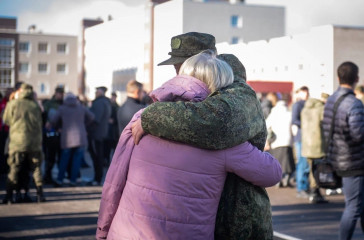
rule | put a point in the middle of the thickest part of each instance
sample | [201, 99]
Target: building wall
[180, 16]
[112, 47]
[168, 22]
[303, 59]
[349, 46]
[8, 59]
[256, 22]
[45, 83]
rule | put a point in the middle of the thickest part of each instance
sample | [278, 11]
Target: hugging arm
[225, 119]
[251, 164]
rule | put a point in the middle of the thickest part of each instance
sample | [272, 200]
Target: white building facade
[228, 22]
[309, 59]
[141, 38]
[48, 61]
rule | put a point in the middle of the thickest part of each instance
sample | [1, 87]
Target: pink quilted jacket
[166, 190]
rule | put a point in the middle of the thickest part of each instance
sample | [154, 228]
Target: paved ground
[71, 213]
[299, 219]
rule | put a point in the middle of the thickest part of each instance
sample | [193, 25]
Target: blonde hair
[206, 67]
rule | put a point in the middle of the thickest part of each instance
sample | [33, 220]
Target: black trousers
[52, 152]
[96, 149]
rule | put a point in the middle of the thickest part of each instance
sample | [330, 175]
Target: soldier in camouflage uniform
[225, 119]
[24, 117]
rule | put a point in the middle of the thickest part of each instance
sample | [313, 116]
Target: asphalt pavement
[71, 213]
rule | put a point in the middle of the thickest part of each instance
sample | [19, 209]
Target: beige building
[47, 61]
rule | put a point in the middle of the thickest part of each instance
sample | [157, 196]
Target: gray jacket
[74, 117]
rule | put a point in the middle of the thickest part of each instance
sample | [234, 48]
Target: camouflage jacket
[225, 119]
[24, 118]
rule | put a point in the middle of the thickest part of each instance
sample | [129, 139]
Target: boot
[9, 196]
[26, 198]
[18, 197]
[40, 195]
[316, 197]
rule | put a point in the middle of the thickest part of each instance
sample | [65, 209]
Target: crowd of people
[59, 131]
[195, 163]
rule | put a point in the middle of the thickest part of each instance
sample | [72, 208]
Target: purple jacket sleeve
[115, 180]
[251, 164]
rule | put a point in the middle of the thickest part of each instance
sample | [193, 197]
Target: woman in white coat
[279, 123]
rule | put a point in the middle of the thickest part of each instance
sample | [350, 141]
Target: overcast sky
[64, 16]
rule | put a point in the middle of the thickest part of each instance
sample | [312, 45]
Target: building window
[6, 42]
[43, 88]
[43, 68]
[43, 47]
[236, 21]
[235, 40]
[61, 68]
[5, 77]
[24, 47]
[23, 67]
[6, 55]
[62, 48]
[7, 62]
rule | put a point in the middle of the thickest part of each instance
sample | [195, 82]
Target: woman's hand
[137, 131]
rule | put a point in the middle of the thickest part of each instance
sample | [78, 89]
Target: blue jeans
[353, 188]
[76, 154]
[302, 169]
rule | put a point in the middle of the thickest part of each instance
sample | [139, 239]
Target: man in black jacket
[133, 104]
[101, 108]
[346, 149]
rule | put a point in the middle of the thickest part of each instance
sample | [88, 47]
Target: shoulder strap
[331, 132]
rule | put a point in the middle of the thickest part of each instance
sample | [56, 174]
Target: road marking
[284, 236]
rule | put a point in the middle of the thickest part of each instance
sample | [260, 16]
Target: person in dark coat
[346, 148]
[74, 118]
[134, 90]
[101, 108]
[113, 132]
[51, 135]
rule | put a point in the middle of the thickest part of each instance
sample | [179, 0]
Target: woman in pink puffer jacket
[161, 189]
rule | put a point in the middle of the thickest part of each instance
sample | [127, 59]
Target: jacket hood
[181, 88]
[313, 103]
[70, 101]
[235, 64]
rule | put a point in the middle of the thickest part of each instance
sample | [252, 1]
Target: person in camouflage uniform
[24, 117]
[226, 118]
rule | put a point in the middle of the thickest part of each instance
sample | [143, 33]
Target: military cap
[59, 89]
[18, 85]
[102, 88]
[26, 86]
[188, 44]
[235, 64]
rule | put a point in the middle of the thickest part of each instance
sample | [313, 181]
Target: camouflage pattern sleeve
[225, 119]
